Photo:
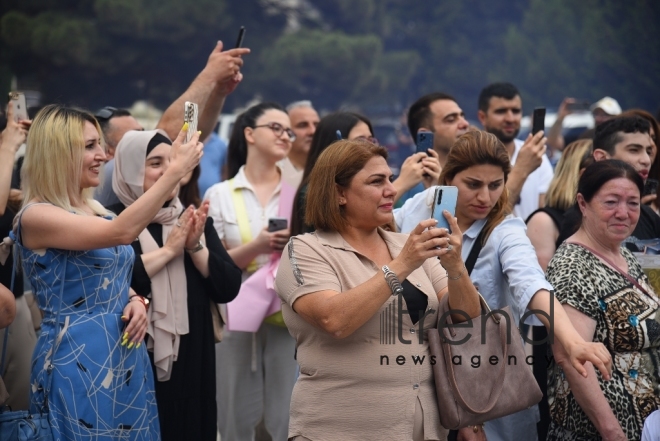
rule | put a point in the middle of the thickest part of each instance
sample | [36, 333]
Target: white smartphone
[20, 106]
[445, 198]
[190, 115]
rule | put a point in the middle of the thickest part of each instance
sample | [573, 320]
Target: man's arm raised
[218, 79]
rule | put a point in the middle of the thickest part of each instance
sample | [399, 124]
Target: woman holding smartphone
[256, 371]
[182, 267]
[78, 258]
[506, 272]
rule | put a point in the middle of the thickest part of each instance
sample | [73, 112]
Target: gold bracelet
[457, 277]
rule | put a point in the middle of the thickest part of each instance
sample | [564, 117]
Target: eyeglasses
[370, 139]
[105, 113]
[278, 129]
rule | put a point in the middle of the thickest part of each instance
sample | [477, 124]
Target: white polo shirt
[537, 183]
[223, 212]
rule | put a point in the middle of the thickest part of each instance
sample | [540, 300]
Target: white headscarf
[168, 314]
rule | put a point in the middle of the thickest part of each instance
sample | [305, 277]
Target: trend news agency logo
[391, 329]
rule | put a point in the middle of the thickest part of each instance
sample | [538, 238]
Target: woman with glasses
[256, 370]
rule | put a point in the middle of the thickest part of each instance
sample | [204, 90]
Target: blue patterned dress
[100, 389]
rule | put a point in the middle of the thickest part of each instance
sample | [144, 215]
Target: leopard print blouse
[627, 323]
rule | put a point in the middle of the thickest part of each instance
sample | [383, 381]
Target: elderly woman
[337, 283]
[182, 267]
[608, 299]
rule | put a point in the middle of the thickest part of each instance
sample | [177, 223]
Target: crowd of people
[154, 286]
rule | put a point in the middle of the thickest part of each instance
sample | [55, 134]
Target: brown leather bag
[492, 380]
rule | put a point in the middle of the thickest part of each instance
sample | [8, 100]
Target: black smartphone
[578, 106]
[277, 224]
[538, 120]
[650, 187]
[239, 40]
[424, 142]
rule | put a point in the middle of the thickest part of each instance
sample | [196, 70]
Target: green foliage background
[379, 54]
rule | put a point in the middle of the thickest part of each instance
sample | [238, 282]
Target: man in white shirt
[500, 112]
[304, 120]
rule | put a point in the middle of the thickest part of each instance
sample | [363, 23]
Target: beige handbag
[478, 382]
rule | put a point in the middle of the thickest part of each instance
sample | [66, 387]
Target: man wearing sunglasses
[114, 124]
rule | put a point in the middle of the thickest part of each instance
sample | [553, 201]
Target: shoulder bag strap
[242, 219]
[474, 252]
[613, 265]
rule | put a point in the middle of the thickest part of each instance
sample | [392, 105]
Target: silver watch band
[392, 280]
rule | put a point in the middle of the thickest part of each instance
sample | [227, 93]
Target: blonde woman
[78, 259]
[544, 224]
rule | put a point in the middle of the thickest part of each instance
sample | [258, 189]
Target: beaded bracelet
[392, 280]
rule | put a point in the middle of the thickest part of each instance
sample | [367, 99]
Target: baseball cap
[608, 104]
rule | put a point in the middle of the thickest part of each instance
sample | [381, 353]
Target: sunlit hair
[54, 159]
[480, 148]
[336, 166]
[563, 187]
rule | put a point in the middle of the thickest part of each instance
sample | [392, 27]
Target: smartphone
[444, 199]
[424, 142]
[277, 224]
[19, 104]
[190, 115]
[538, 120]
[650, 187]
[239, 40]
[577, 106]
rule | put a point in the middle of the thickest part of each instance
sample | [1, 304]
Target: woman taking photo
[608, 299]
[506, 271]
[182, 267]
[78, 260]
[348, 125]
[256, 370]
[335, 285]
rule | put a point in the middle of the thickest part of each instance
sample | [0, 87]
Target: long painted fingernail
[123, 317]
[185, 126]
[123, 342]
[138, 345]
[199, 132]
[125, 335]
[131, 345]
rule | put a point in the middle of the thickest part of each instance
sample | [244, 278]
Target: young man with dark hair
[439, 114]
[626, 139]
[500, 112]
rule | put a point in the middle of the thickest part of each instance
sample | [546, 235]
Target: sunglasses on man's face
[105, 113]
